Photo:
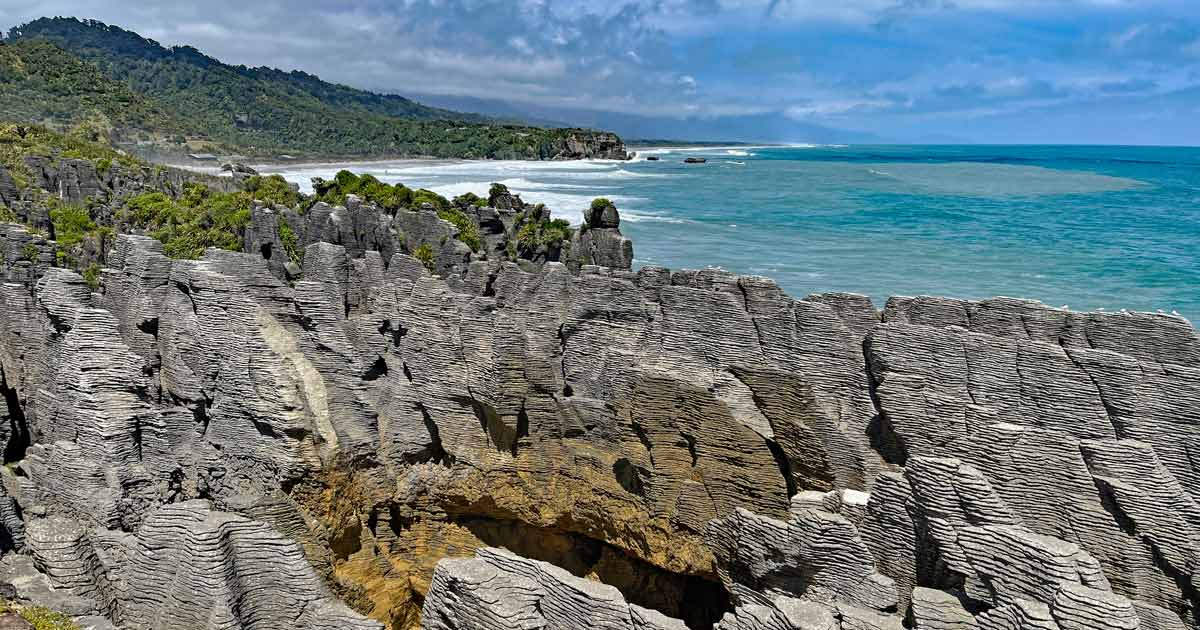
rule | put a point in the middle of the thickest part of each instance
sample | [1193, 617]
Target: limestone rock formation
[318, 432]
[498, 589]
[599, 240]
[501, 226]
[79, 181]
[597, 145]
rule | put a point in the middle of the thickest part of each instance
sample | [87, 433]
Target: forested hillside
[61, 71]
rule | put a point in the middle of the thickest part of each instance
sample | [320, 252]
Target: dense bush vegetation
[393, 198]
[469, 199]
[199, 219]
[273, 189]
[72, 225]
[39, 82]
[20, 140]
[551, 233]
[368, 188]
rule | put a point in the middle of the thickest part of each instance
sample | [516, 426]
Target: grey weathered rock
[599, 241]
[498, 589]
[993, 464]
[816, 555]
[939, 610]
[192, 567]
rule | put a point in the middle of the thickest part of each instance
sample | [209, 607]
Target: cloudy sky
[1120, 71]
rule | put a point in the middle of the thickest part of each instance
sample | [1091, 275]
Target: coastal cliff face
[679, 436]
[79, 181]
[585, 144]
[562, 442]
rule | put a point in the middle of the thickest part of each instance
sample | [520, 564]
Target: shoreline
[276, 166]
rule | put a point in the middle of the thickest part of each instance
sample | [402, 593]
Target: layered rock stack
[598, 241]
[367, 231]
[220, 443]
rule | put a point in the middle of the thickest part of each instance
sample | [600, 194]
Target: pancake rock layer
[221, 443]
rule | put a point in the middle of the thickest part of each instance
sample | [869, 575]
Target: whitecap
[563, 205]
[634, 216]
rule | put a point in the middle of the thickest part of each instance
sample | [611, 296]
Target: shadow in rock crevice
[699, 602]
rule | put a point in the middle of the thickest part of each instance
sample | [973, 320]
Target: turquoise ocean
[1088, 227]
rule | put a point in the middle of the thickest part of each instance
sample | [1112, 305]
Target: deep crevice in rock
[785, 466]
[884, 439]
[19, 438]
[378, 369]
[395, 335]
[149, 326]
[629, 476]
[436, 453]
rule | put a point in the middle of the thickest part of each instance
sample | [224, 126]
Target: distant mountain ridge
[197, 100]
[772, 127]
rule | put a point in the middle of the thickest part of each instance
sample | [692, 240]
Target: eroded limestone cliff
[227, 443]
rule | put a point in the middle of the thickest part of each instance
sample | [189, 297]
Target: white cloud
[520, 45]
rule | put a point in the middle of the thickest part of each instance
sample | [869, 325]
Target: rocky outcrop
[85, 182]
[598, 241]
[502, 227]
[692, 443]
[187, 566]
[583, 144]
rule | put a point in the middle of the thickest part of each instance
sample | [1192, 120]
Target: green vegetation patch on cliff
[291, 243]
[72, 226]
[424, 253]
[468, 231]
[549, 232]
[273, 189]
[367, 187]
[17, 141]
[199, 219]
[39, 617]
[395, 197]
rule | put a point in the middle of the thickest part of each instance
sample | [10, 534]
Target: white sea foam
[809, 145]
[567, 188]
[649, 217]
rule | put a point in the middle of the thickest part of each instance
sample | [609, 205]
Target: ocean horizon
[1084, 226]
